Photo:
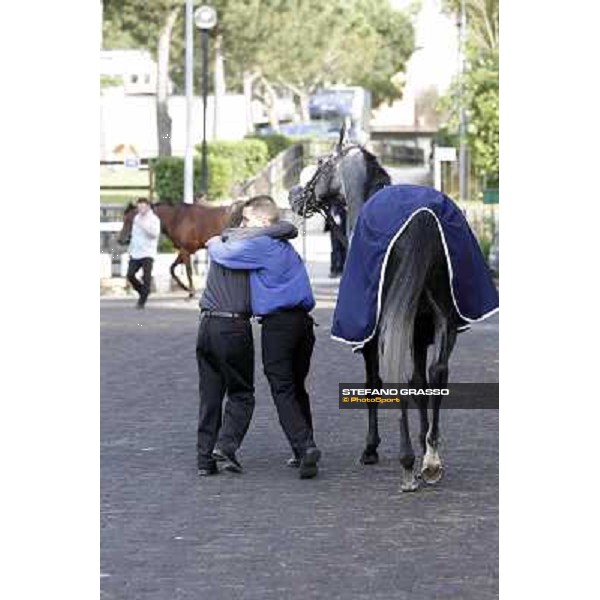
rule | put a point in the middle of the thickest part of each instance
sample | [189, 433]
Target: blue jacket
[278, 277]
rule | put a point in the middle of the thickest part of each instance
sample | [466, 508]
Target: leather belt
[227, 315]
[293, 309]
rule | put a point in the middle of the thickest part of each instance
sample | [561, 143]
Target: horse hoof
[409, 483]
[432, 473]
[409, 487]
[369, 458]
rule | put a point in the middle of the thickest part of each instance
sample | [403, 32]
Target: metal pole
[219, 92]
[188, 192]
[463, 177]
[204, 183]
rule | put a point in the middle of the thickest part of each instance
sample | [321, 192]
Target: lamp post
[205, 18]
[188, 176]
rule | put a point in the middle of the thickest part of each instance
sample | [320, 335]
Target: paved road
[349, 534]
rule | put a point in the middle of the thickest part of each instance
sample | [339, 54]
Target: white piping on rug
[359, 345]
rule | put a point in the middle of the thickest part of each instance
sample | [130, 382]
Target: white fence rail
[110, 226]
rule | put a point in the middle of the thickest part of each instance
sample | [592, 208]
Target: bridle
[307, 204]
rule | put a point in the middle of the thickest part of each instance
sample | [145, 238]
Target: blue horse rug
[380, 223]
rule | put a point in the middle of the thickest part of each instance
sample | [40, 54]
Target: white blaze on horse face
[307, 174]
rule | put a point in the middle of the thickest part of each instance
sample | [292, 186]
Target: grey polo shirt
[228, 290]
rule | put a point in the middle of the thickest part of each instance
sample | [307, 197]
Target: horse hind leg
[370, 455]
[181, 259]
[188, 270]
[409, 482]
[444, 339]
[396, 342]
[419, 378]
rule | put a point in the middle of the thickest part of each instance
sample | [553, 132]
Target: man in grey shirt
[225, 358]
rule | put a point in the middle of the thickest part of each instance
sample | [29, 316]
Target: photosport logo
[398, 395]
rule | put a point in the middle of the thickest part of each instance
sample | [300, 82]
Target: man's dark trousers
[225, 357]
[287, 344]
[143, 288]
[338, 250]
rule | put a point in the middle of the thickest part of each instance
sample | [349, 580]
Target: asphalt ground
[349, 534]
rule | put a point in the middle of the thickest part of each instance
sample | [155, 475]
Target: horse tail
[410, 260]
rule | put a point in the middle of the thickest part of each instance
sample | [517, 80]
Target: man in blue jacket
[281, 296]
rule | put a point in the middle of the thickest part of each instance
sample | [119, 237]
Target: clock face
[205, 17]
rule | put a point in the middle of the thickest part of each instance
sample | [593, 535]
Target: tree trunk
[301, 99]
[219, 86]
[304, 99]
[249, 78]
[163, 119]
[271, 103]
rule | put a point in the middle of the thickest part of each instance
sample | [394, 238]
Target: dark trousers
[287, 344]
[338, 256]
[143, 288]
[225, 357]
[338, 250]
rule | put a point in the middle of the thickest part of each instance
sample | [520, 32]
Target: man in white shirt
[142, 249]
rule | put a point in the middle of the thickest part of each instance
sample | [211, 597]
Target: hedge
[247, 157]
[168, 177]
[276, 142]
[229, 162]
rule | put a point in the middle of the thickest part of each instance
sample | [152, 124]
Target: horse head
[128, 216]
[348, 177]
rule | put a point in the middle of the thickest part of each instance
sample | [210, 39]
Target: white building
[131, 120]
[136, 69]
[128, 109]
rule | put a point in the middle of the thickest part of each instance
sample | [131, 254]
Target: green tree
[394, 45]
[481, 87]
[483, 23]
[270, 45]
[483, 131]
[148, 25]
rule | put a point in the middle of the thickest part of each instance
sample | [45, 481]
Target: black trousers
[143, 288]
[225, 357]
[338, 255]
[287, 345]
[338, 250]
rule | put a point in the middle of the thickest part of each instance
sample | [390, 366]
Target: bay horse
[188, 226]
[417, 309]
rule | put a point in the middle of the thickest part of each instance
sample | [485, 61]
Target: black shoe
[293, 462]
[308, 464]
[218, 455]
[207, 471]
[230, 462]
[140, 304]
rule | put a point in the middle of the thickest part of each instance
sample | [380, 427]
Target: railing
[484, 219]
[111, 222]
[126, 187]
[277, 177]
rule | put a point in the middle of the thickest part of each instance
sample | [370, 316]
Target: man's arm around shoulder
[242, 254]
[282, 230]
